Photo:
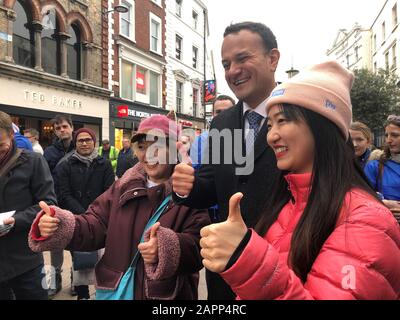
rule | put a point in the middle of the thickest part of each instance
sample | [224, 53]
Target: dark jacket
[126, 160]
[79, 185]
[116, 221]
[54, 153]
[26, 183]
[216, 183]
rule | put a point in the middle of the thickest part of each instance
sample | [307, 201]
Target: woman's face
[292, 142]
[360, 142]
[155, 159]
[392, 134]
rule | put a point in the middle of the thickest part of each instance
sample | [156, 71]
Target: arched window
[74, 53]
[51, 44]
[23, 36]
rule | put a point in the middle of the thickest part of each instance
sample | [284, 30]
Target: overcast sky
[304, 29]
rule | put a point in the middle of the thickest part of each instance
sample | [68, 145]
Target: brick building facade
[137, 62]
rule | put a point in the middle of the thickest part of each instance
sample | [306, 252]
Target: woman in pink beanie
[165, 253]
[324, 233]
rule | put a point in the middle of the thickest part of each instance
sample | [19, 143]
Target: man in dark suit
[250, 58]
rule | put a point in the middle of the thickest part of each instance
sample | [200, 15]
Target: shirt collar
[261, 108]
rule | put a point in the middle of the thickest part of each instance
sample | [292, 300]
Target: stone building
[52, 61]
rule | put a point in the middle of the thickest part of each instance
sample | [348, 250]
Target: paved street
[64, 294]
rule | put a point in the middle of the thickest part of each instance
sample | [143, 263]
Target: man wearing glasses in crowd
[33, 136]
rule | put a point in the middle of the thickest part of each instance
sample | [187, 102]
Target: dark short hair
[60, 118]
[105, 141]
[267, 36]
[223, 97]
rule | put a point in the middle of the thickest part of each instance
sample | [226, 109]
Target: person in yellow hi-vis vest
[109, 152]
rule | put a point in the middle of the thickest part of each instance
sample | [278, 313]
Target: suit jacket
[216, 183]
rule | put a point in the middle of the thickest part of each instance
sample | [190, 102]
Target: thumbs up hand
[149, 249]
[48, 225]
[219, 241]
[183, 176]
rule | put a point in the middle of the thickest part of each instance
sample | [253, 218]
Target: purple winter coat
[116, 220]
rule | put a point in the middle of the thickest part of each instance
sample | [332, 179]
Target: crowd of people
[315, 218]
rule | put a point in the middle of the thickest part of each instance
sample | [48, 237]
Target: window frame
[153, 17]
[179, 98]
[180, 58]
[157, 2]
[195, 100]
[195, 57]
[195, 21]
[32, 55]
[395, 19]
[131, 22]
[394, 56]
[178, 8]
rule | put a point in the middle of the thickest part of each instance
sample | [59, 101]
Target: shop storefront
[32, 104]
[125, 118]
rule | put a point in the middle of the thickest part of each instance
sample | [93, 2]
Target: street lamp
[292, 72]
[118, 8]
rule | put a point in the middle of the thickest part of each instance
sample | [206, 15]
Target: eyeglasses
[393, 117]
[82, 141]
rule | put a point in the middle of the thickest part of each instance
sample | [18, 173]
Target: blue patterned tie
[254, 120]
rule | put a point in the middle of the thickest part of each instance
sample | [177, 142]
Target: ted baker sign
[56, 101]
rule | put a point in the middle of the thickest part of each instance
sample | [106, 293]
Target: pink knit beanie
[157, 125]
[324, 88]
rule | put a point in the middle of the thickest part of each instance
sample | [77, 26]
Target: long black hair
[335, 171]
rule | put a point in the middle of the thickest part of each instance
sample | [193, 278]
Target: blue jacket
[390, 185]
[22, 142]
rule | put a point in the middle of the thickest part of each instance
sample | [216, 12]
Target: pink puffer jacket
[359, 260]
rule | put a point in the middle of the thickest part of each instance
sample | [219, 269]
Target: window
[348, 60]
[356, 53]
[51, 44]
[23, 38]
[383, 32]
[195, 57]
[374, 43]
[178, 9]
[141, 80]
[178, 47]
[127, 80]
[394, 15]
[394, 57]
[375, 67]
[179, 96]
[158, 2]
[155, 34]
[195, 19]
[74, 53]
[195, 101]
[387, 60]
[154, 88]
[127, 21]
